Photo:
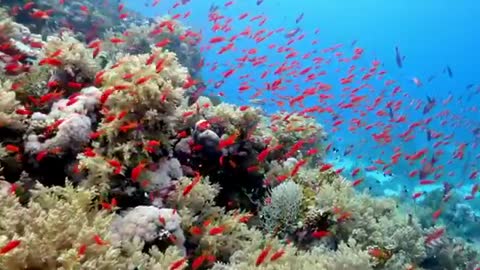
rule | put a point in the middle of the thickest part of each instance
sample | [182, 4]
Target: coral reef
[61, 228]
[112, 159]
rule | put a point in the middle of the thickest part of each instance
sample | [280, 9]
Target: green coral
[74, 56]
[348, 256]
[373, 222]
[149, 100]
[282, 209]
[138, 39]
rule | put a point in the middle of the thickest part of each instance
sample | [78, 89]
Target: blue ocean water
[432, 36]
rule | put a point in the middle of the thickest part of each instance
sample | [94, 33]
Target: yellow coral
[57, 230]
[8, 105]
[74, 55]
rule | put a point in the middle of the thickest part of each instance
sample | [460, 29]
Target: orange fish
[216, 230]
[10, 246]
[263, 255]
[137, 171]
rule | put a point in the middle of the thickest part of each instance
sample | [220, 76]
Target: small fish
[449, 71]
[195, 230]
[9, 246]
[116, 40]
[434, 236]
[137, 171]
[216, 39]
[216, 230]
[357, 182]
[40, 14]
[429, 106]
[417, 195]
[12, 148]
[41, 155]
[177, 264]
[128, 126]
[398, 57]
[277, 255]
[292, 33]
[320, 234]
[81, 250]
[50, 61]
[200, 260]
[436, 214]
[142, 80]
[98, 240]
[162, 43]
[325, 167]
[263, 255]
[299, 18]
[417, 81]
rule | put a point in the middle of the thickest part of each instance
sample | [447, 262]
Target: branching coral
[60, 228]
[290, 129]
[140, 100]
[163, 32]
[136, 86]
[76, 60]
[373, 223]
[271, 255]
[210, 228]
[282, 208]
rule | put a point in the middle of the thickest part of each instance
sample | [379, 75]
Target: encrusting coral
[135, 169]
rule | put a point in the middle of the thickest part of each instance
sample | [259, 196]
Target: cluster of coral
[109, 163]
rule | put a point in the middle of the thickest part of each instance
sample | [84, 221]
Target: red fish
[216, 230]
[263, 255]
[137, 171]
[10, 246]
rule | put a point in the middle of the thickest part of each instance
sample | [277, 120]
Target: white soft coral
[148, 223]
[75, 129]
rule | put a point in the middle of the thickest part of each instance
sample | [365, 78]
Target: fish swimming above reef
[429, 106]
[398, 57]
[299, 18]
[292, 33]
[213, 8]
[449, 71]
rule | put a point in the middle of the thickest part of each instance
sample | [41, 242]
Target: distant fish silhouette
[390, 113]
[429, 106]
[449, 71]
[259, 2]
[430, 78]
[399, 58]
[299, 18]
[213, 8]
